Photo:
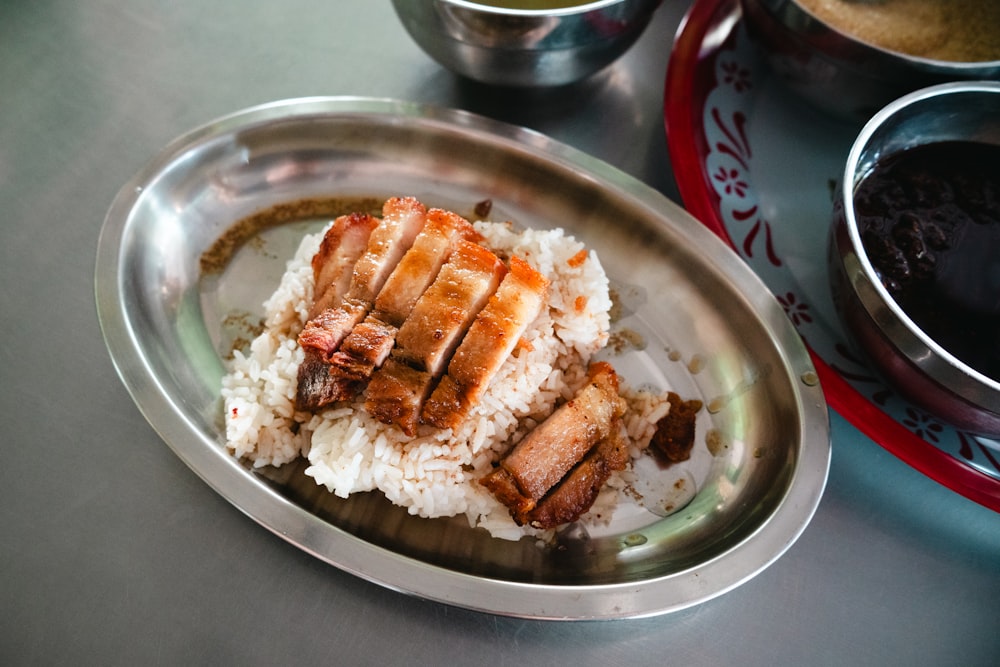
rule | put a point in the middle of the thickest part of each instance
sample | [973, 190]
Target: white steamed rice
[433, 474]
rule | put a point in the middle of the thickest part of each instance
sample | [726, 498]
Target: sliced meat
[427, 338]
[319, 340]
[578, 490]
[503, 485]
[333, 264]
[365, 349]
[369, 343]
[321, 336]
[487, 345]
[402, 219]
[395, 394]
[539, 461]
[315, 388]
[444, 312]
[420, 265]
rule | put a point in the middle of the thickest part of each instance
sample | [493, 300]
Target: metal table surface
[114, 552]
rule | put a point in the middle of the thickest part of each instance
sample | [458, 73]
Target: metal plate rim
[338, 547]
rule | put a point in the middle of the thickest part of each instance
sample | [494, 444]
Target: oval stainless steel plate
[694, 317]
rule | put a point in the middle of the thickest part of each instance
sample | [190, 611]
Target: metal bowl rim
[581, 8]
[848, 183]
[816, 30]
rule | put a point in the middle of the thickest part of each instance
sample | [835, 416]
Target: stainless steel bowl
[525, 47]
[839, 73]
[920, 369]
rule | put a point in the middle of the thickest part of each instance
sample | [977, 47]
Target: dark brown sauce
[929, 219]
[673, 439]
[217, 257]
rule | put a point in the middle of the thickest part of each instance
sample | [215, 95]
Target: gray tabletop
[114, 552]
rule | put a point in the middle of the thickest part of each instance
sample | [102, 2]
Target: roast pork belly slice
[487, 345]
[435, 326]
[366, 348]
[442, 315]
[420, 265]
[315, 388]
[333, 264]
[369, 343]
[540, 460]
[578, 490]
[320, 338]
[396, 392]
[323, 334]
[402, 220]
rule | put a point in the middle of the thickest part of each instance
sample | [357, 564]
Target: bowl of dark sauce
[915, 250]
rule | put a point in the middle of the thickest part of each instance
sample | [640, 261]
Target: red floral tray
[757, 166]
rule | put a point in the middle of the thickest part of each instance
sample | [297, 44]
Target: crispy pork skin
[487, 345]
[333, 264]
[426, 340]
[503, 485]
[540, 460]
[369, 343]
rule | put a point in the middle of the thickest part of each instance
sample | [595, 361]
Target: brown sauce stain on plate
[217, 257]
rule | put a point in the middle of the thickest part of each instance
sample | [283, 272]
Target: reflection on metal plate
[170, 312]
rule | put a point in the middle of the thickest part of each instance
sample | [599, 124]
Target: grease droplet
[634, 540]
[713, 440]
[696, 364]
[716, 405]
